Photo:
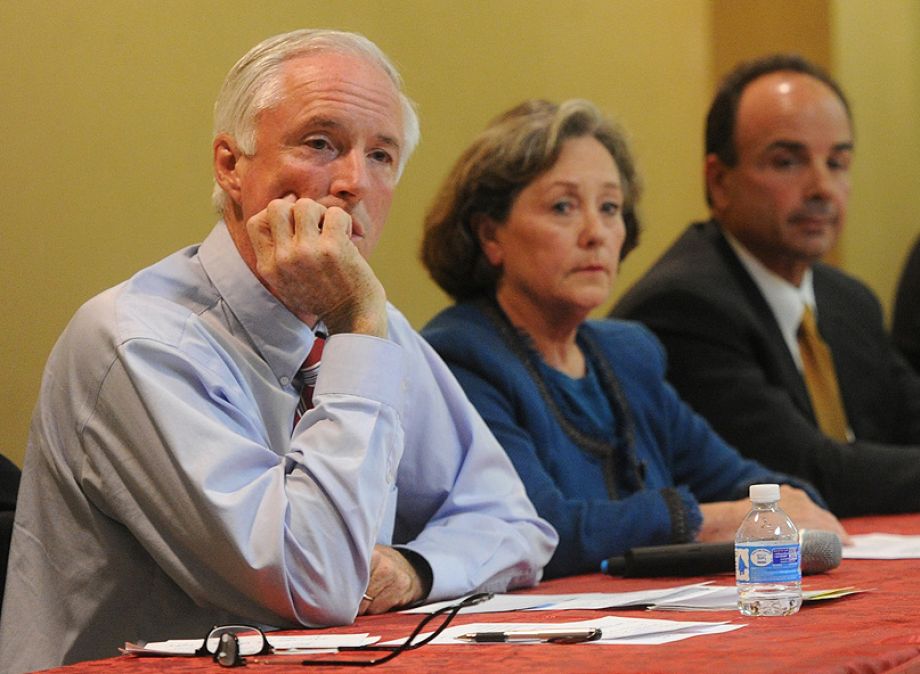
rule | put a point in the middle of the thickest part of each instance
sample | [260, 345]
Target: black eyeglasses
[229, 645]
[449, 612]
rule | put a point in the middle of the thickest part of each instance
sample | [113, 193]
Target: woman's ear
[485, 230]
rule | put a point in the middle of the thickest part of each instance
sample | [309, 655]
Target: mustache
[815, 208]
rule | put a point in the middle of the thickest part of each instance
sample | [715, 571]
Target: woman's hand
[722, 519]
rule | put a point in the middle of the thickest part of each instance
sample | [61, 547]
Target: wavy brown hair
[514, 149]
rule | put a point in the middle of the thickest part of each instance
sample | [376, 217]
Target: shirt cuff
[422, 570]
[364, 366]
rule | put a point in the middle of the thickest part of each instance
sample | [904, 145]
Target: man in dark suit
[905, 324]
[9, 488]
[728, 299]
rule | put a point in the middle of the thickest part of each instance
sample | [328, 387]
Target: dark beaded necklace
[622, 471]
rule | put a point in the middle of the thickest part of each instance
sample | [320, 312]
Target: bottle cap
[764, 493]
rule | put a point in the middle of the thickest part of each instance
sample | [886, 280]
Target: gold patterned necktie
[821, 379]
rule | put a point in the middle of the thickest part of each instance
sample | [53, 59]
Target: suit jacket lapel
[776, 357]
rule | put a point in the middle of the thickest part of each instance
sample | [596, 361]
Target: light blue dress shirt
[164, 492]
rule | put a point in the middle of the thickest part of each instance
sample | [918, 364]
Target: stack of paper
[696, 597]
[286, 644]
[615, 630]
[556, 602]
[725, 598]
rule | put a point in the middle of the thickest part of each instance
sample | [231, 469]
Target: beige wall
[877, 57]
[106, 121]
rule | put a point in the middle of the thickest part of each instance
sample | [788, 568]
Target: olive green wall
[105, 116]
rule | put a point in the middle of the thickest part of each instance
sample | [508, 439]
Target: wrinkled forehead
[353, 83]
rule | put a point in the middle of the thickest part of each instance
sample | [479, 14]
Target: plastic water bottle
[768, 570]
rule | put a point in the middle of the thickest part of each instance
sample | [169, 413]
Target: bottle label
[763, 562]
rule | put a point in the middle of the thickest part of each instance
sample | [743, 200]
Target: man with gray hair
[186, 470]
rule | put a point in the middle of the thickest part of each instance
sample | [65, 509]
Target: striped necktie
[821, 380]
[307, 375]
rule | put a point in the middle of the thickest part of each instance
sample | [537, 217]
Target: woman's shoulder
[458, 322]
[621, 331]
[627, 344]
[464, 332]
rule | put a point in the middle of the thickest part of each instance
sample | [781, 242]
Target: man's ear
[717, 176]
[226, 166]
[484, 229]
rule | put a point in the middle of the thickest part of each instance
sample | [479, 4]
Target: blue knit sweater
[663, 460]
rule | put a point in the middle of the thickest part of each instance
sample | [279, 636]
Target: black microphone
[820, 551]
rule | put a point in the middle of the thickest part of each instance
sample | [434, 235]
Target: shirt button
[284, 381]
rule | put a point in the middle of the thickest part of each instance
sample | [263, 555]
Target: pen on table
[568, 636]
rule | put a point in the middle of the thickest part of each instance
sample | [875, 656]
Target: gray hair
[254, 84]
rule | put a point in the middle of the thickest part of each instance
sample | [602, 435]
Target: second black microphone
[820, 551]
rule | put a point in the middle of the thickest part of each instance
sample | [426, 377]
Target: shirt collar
[786, 301]
[281, 338]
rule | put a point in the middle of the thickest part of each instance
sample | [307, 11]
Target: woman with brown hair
[526, 235]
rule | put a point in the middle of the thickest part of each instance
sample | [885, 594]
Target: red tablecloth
[875, 631]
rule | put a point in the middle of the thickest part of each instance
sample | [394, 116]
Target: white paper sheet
[616, 630]
[498, 603]
[306, 643]
[555, 602]
[669, 637]
[883, 546]
[696, 597]
[725, 598]
[636, 599]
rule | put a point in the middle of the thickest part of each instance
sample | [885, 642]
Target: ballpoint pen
[552, 635]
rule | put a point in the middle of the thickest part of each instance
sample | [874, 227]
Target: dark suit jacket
[905, 328]
[9, 489]
[727, 358]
